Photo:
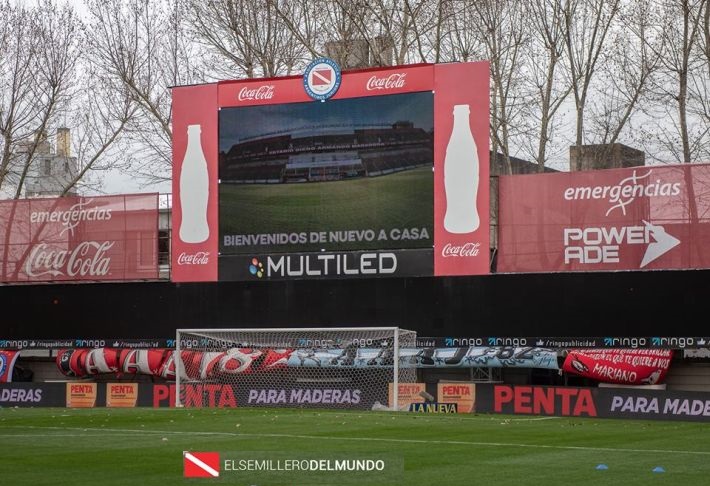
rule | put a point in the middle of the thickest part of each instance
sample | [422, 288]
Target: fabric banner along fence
[622, 366]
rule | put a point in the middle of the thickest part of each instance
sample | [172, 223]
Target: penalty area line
[372, 439]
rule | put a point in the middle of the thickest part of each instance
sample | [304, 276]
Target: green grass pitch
[400, 200]
[143, 447]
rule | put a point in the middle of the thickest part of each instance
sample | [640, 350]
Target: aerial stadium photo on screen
[348, 174]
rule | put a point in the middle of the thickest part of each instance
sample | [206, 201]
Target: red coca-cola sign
[196, 258]
[263, 92]
[394, 80]
[79, 238]
[465, 250]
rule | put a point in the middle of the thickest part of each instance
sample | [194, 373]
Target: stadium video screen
[349, 174]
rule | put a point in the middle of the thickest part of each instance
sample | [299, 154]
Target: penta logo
[602, 245]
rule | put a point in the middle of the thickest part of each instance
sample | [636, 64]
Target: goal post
[344, 367]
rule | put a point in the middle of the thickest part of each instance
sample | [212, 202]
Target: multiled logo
[326, 265]
[256, 268]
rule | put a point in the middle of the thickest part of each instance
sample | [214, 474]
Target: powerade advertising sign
[641, 218]
[593, 402]
[361, 174]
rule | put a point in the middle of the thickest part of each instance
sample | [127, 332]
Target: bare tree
[457, 40]
[543, 58]
[682, 75]
[248, 38]
[138, 46]
[587, 25]
[40, 59]
[501, 28]
[635, 51]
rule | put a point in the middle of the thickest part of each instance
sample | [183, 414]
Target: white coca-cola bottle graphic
[461, 176]
[194, 190]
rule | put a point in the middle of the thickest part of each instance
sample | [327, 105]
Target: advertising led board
[387, 176]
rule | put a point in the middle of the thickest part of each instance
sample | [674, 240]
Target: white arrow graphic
[662, 244]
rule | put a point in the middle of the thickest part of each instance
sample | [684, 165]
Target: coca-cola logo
[87, 259]
[264, 92]
[394, 80]
[71, 217]
[197, 258]
[465, 250]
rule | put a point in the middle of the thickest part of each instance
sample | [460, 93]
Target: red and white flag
[201, 464]
[321, 77]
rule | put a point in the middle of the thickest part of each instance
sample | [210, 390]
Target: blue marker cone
[658, 469]
[602, 467]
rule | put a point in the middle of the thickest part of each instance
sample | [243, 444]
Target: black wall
[667, 303]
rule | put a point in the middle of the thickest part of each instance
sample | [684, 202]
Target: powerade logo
[256, 268]
[3, 364]
[603, 244]
[321, 79]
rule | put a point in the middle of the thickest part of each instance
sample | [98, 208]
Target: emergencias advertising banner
[641, 218]
[593, 402]
[374, 173]
[79, 238]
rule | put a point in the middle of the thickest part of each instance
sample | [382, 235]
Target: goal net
[308, 367]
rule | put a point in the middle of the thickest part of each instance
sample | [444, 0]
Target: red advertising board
[256, 159]
[194, 213]
[461, 200]
[79, 238]
[641, 218]
[622, 366]
[369, 82]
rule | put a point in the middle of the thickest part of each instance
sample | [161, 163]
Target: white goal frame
[179, 365]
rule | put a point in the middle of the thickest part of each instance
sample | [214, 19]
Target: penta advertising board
[387, 176]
